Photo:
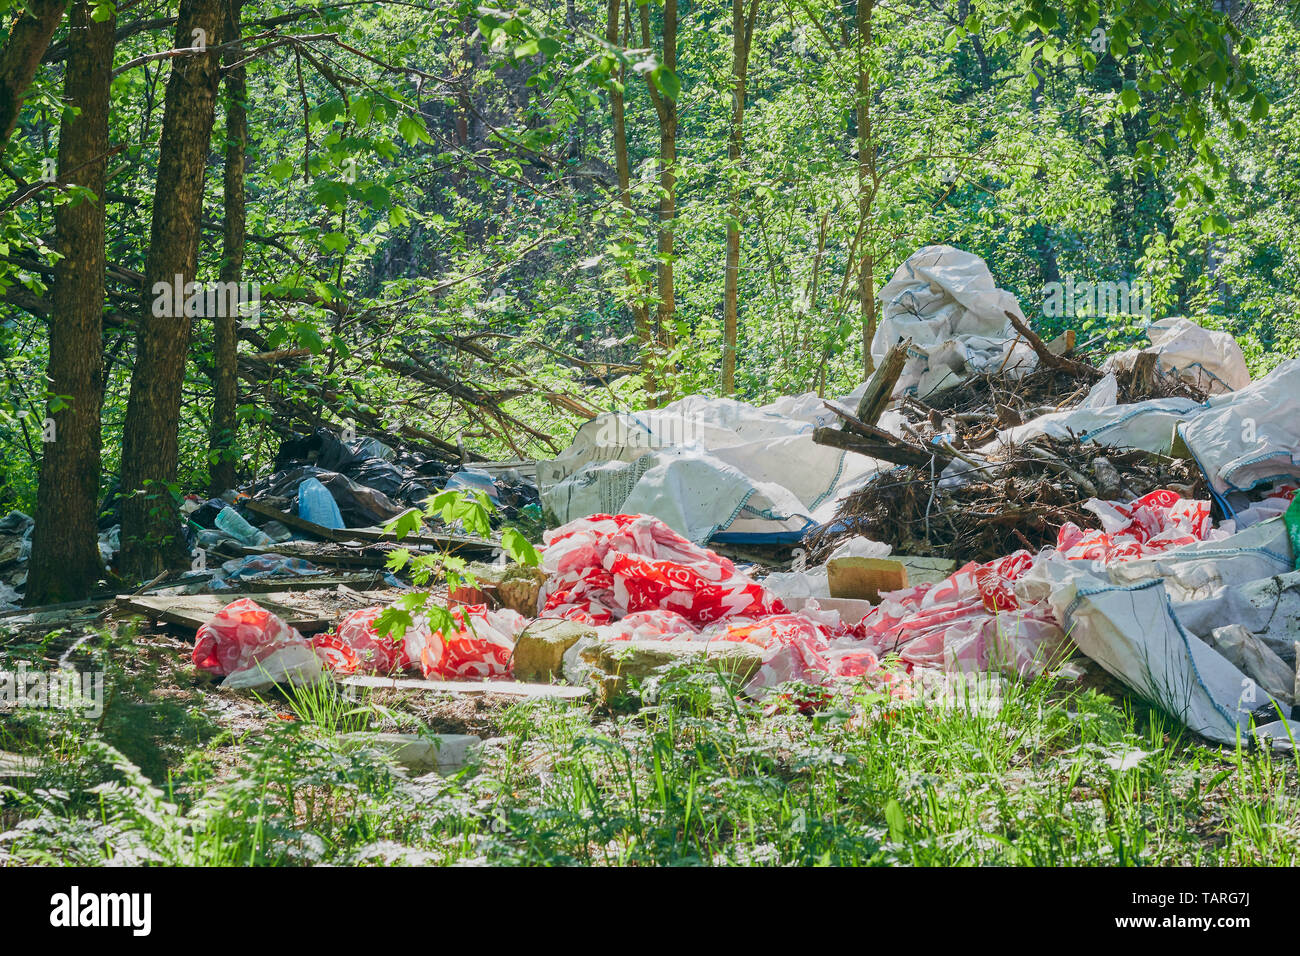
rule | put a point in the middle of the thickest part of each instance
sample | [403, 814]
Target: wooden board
[457, 543]
[864, 578]
[194, 610]
[468, 688]
[925, 570]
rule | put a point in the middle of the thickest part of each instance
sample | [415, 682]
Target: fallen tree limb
[895, 450]
[1045, 354]
[259, 373]
[880, 387]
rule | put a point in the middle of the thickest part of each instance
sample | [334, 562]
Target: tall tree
[868, 182]
[742, 36]
[150, 438]
[29, 38]
[623, 166]
[226, 323]
[65, 560]
[664, 87]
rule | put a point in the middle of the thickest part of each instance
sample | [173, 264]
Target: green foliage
[470, 511]
[1037, 774]
[436, 189]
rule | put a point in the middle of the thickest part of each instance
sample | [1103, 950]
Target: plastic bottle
[317, 505]
[210, 538]
[474, 479]
[232, 522]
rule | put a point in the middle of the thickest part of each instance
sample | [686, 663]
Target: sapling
[473, 510]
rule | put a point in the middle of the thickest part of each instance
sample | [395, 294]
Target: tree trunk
[742, 35]
[866, 187]
[640, 314]
[666, 108]
[150, 523]
[29, 38]
[225, 425]
[667, 188]
[65, 560]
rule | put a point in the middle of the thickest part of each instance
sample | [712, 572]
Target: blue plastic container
[317, 505]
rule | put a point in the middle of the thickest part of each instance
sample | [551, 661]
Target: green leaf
[896, 820]
[308, 337]
[667, 82]
[334, 242]
[408, 522]
[519, 548]
[361, 109]
[412, 130]
[282, 170]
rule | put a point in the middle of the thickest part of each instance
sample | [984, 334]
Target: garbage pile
[369, 482]
[326, 503]
[15, 550]
[15, 547]
[1144, 505]
[986, 503]
[1019, 498]
[610, 580]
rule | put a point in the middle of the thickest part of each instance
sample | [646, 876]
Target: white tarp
[1251, 436]
[1269, 609]
[1148, 425]
[1203, 631]
[708, 467]
[945, 301]
[1210, 360]
[1135, 635]
[723, 469]
[1197, 571]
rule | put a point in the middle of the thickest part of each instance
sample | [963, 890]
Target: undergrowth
[1039, 774]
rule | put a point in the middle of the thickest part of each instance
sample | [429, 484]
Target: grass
[1046, 773]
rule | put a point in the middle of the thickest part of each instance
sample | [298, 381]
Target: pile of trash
[986, 503]
[1144, 505]
[253, 648]
[621, 578]
[15, 548]
[1019, 498]
[368, 482]
[283, 524]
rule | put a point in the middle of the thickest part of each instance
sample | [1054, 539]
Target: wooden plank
[865, 578]
[342, 558]
[442, 542]
[925, 570]
[13, 766]
[466, 688]
[361, 582]
[895, 450]
[880, 387]
[194, 610]
[291, 520]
